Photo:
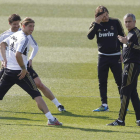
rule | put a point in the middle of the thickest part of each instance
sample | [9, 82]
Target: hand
[30, 63]
[99, 19]
[22, 74]
[4, 63]
[122, 39]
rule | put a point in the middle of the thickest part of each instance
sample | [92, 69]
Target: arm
[1, 59]
[92, 31]
[134, 46]
[1, 39]
[120, 29]
[34, 51]
[95, 26]
[122, 39]
[3, 53]
[33, 54]
[4, 43]
[130, 41]
[21, 64]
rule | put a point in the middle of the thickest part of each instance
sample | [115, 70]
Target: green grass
[23, 120]
[67, 64]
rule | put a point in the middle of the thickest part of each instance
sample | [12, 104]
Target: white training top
[17, 42]
[33, 43]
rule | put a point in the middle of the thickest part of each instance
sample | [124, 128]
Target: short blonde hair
[26, 21]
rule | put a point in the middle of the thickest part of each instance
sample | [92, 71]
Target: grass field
[67, 64]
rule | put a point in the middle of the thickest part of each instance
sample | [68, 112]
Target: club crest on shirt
[112, 28]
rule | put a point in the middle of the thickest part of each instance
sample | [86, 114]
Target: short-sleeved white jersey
[33, 43]
[17, 42]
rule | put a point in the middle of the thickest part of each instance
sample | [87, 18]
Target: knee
[40, 85]
[37, 98]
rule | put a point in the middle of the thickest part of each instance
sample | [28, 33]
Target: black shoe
[138, 122]
[116, 123]
[61, 108]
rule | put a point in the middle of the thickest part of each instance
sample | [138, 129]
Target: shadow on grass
[74, 128]
[21, 112]
[16, 118]
[8, 124]
[128, 112]
[99, 130]
[67, 113]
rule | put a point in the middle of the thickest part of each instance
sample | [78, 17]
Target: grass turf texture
[67, 64]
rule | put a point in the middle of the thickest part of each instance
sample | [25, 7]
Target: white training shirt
[33, 43]
[17, 42]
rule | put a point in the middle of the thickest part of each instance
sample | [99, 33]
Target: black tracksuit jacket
[131, 53]
[106, 33]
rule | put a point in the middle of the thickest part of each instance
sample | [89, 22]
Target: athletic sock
[105, 105]
[49, 116]
[55, 101]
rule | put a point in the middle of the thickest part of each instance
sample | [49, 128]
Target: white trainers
[55, 122]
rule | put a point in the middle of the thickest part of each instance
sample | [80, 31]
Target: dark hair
[14, 17]
[26, 21]
[100, 10]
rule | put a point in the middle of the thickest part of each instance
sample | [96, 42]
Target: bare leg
[43, 107]
[44, 89]
[41, 104]
[48, 94]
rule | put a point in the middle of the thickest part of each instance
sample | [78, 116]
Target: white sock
[55, 101]
[105, 105]
[49, 116]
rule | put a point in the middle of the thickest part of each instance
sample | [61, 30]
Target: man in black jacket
[131, 60]
[106, 30]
